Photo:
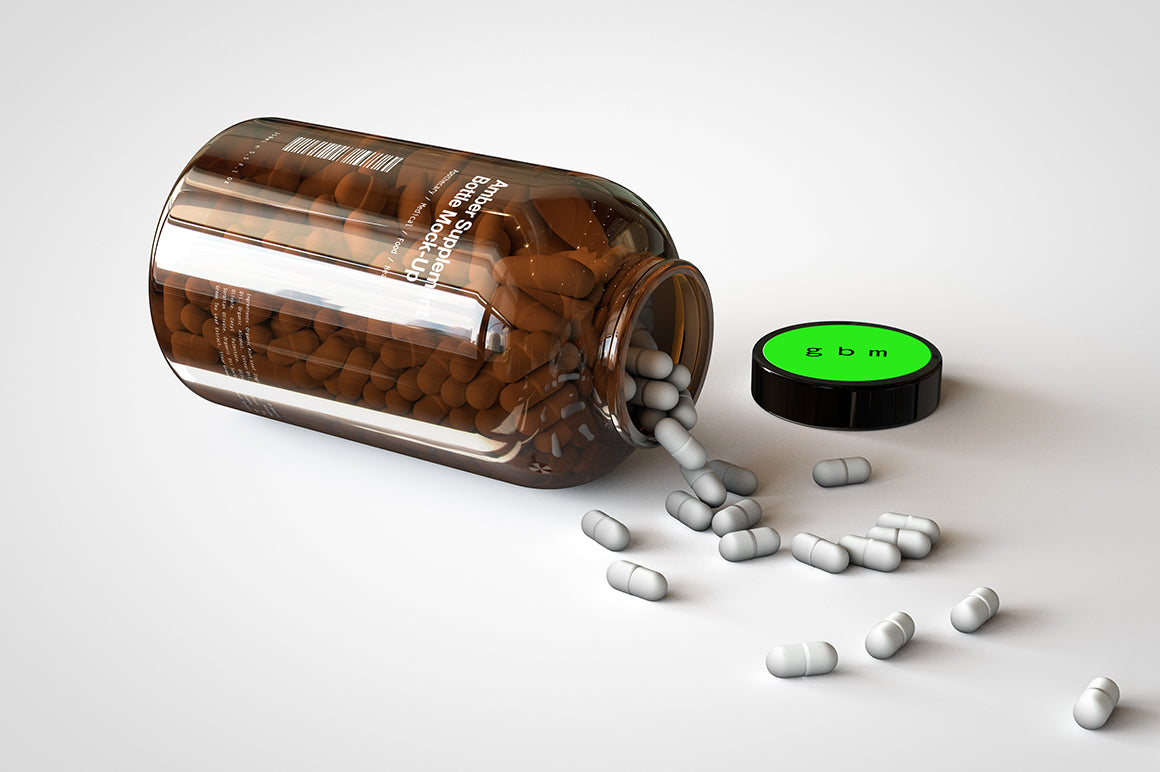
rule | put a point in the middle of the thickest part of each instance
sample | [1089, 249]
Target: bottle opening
[666, 304]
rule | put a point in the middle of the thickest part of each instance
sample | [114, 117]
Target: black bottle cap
[846, 375]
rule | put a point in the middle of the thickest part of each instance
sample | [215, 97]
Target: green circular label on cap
[846, 352]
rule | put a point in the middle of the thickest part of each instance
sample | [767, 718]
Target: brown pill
[384, 377]
[303, 343]
[212, 332]
[355, 373]
[326, 243]
[583, 384]
[483, 392]
[259, 308]
[527, 392]
[420, 164]
[419, 337]
[550, 273]
[328, 357]
[430, 409]
[396, 354]
[223, 214]
[324, 181]
[350, 191]
[569, 358]
[199, 291]
[195, 350]
[233, 316]
[250, 225]
[295, 314]
[173, 303]
[457, 273]
[461, 418]
[553, 439]
[408, 385]
[584, 336]
[466, 362]
[363, 239]
[193, 317]
[373, 396]
[479, 278]
[303, 379]
[379, 328]
[524, 226]
[566, 307]
[489, 232]
[285, 174]
[525, 312]
[296, 346]
[331, 385]
[353, 327]
[234, 353]
[374, 335]
[270, 373]
[397, 403]
[432, 374]
[525, 352]
[326, 322]
[278, 350]
[278, 326]
[495, 422]
[453, 392]
[570, 216]
[564, 402]
[179, 342]
[258, 337]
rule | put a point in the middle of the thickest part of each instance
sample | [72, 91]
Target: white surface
[184, 587]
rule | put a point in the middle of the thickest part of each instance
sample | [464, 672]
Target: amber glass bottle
[468, 310]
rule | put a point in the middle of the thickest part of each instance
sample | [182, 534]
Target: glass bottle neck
[670, 299]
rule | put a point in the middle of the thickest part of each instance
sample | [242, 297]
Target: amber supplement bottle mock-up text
[463, 309]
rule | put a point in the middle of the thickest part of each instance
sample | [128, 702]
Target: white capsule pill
[685, 411]
[971, 612]
[841, 471]
[746, 513]
[914, 545]
[801, 659]
[676, 439]
[1094, 707]
[737, 479]
[680, 377]
[659, 395]
[819, 553]
[637, 580]
[689, 510]
[629, 389]
[868, 553]
[642, 338]
[911, 523]
[706, 485]
[890, 635]
[746, 545]
[646, 419]
[606, 531]
[648, 363]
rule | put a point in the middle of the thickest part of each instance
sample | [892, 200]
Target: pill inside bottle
[468, 310]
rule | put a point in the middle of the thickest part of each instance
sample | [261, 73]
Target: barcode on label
[334, 151]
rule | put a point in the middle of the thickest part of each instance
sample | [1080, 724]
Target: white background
[185, 587]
